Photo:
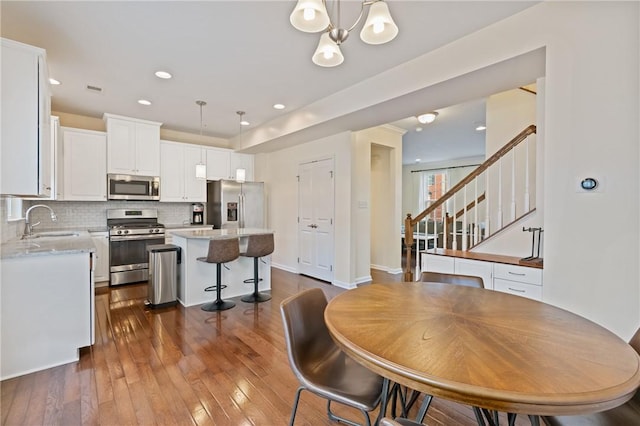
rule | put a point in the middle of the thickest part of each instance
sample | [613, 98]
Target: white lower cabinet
[519, 280]
[514, 279]
[101, 269]
[476, 268]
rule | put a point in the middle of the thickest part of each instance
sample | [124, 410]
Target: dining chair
[457, 279]
[319, 364]
[626, 414]
[385, 421]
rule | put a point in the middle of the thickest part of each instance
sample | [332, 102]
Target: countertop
[211, 234]
[172, 226]
[48, 243]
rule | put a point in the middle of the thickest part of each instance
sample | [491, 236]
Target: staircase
[498, 193]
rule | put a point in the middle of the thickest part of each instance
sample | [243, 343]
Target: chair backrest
[308, 340]
[259, 245]
[635, 341]
[223, 250]
[466, 280]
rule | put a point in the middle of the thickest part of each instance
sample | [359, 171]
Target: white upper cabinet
[241, 161]
[178, 182]
[217, 163]
[133, 146]
[25, 143]
[85, 165]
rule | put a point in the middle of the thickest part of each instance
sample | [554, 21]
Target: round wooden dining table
[484, 348]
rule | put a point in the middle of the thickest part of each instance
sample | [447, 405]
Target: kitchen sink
[54, 235]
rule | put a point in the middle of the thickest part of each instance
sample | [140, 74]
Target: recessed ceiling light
[54, 81]
[418, 160]
[244, 123]
[418, 129]
[481, 127]
[278, 106]
[428, 117]
[163, 74]
[144, 102]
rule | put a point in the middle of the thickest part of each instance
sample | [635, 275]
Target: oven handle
[137, 237]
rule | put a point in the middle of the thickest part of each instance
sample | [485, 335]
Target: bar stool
[220, 251]
[257, 246]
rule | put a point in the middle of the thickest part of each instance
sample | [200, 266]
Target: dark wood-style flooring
[183, 366]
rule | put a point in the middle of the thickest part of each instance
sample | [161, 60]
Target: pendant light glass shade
[201, 171]
[241, 175]
[379, 27]
[310, 16]
[328, 53]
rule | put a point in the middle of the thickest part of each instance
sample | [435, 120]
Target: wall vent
[95, 89]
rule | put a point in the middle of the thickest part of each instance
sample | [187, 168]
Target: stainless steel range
[130, 232]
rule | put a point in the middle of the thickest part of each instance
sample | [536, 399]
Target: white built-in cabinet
[241, 161]
[133, 146]
[25, 143]
[223, 163]
[218, 163]
[101, 268]
[514, 279]
[178, 182]
[84, 173]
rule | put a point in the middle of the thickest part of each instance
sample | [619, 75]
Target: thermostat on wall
[590, 184]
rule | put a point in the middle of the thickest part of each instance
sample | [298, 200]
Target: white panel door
[147, 150]
[85, 164]
[316, 208]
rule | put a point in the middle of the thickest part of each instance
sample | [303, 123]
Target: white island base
[196, 275]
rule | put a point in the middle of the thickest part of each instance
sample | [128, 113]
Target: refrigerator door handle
[241, 210]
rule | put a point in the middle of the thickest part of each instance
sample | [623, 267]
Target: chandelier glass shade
[311, 16]
[429, 117]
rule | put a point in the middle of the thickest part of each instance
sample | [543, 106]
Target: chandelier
[311, 16]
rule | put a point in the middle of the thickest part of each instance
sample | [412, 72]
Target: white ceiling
[235, 55]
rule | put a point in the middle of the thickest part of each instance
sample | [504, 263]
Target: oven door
[129, 259]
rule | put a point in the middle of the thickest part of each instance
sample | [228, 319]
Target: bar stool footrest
[215, 287]
[250, 280]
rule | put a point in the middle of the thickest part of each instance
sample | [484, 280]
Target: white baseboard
[284, 268]
[387, 269]
[365, 279]
[344, 285]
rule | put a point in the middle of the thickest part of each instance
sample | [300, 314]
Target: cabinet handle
[514, 273]
[517, 290]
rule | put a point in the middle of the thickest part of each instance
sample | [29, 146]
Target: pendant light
[201, 168]
[311, 16]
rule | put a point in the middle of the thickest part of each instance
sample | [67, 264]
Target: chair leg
[336, 418]
[295, 405]
[256, 296]
[422, 412]
[218, 304]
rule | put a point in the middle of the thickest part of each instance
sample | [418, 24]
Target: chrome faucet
[28, 226]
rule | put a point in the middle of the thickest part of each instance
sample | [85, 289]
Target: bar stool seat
[257, 246]
[220, 251]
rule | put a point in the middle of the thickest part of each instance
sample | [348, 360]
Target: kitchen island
[196, 275]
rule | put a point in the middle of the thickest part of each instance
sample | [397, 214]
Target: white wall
[279, 170]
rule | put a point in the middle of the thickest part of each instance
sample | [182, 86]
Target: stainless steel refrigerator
[231, 204]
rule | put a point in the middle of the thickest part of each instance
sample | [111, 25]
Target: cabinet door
[147, 153]
[101, 241]
[171, 171]
[476, 268]
[121, 146]
[194, 189]
[217, 164]
[241, 161]
[85, 177]
[436, 263]
[25, 95]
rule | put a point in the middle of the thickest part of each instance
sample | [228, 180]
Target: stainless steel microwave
[130, 187]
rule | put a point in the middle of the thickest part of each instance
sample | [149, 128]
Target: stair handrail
[410, 222]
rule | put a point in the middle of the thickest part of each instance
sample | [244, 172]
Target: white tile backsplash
[87, 214]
